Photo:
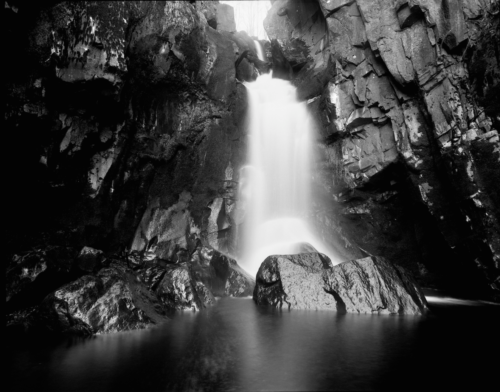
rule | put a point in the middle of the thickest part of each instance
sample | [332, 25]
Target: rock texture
[374, 285]
[141, 126]
[310, 281]
[406, 98]
[221, 274]
[125, 133]
[122, 292]
[294, 281]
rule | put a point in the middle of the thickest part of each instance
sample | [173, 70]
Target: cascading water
[275, 186]
[258, 48]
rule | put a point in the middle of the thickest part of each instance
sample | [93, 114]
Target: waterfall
[258, 48]
[275, 185]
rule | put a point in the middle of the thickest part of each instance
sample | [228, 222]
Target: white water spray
[258, 47]
[275, 186]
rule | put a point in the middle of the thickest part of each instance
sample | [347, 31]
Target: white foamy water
[258, 48]
[275, 185]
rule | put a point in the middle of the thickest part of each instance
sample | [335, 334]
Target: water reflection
[238, 346]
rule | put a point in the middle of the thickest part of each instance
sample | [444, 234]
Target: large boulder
[310, 281]
[126, 294]
[295, 281]
[374, 285]
[112, 300]
[178, 291]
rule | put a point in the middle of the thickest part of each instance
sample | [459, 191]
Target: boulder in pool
[374, 285]
[310, 281]
[221, 274]
[294, 282]
[110, 301]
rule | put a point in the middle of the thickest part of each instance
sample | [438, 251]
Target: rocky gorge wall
[125, 127]
[131, 123]
[406, 97]
[125, 121]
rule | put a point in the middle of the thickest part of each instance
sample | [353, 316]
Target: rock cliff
[125, 127]
[406, 100]
[126, 122]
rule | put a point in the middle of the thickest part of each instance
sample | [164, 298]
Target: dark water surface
[238, 346]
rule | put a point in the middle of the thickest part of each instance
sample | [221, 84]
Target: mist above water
[275, 185]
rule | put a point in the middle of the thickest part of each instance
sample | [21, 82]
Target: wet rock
[449, 20]
[329, 6]
[164, 228]
[347, 21]
[209, 10]
[93, 65]
[89, 259]
[381, 29]
[174, 46]
[221, 80]
[177, 290]
[408, 15]
[152, 276]
[281, 67]
[373, 285]
[135, 260]
[310, 281]
[294, 281]
[300, 28]
[221, 274]
[111, 301]
[245, 71]
[204, 294]
[383, 58]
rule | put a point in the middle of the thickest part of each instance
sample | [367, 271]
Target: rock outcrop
[405, 95]
[142, 126]
[115, 292]
[294, 282]
[374, 285]
[310, 281]
[221, 274]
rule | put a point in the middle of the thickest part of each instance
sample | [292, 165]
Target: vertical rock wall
[125, 123]
[406, 97]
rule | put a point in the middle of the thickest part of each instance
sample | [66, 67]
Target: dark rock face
[117, 292]
[177, 291]
[405, 95]
[374, 285]
[309, 281]
[89, 259]
[32, 276]
[221, 274]
[153, 161]
[110, 301]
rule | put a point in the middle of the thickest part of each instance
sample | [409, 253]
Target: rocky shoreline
[115, 292]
